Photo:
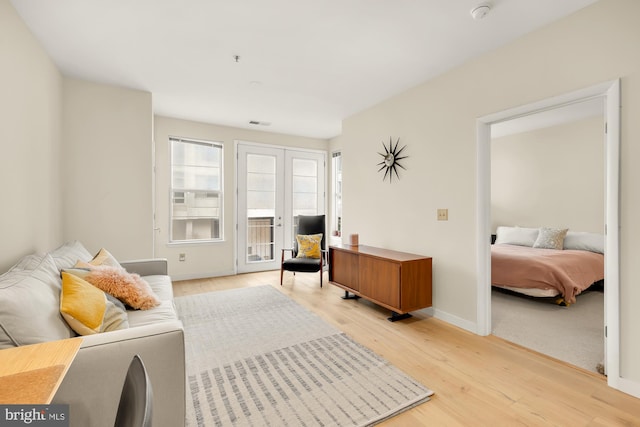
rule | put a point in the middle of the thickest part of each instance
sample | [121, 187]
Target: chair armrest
[147, 267]
[283, 250]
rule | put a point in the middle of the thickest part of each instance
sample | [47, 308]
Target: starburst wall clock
[391, 160]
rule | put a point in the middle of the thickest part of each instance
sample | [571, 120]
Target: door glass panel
[305, 189]
[261, 204]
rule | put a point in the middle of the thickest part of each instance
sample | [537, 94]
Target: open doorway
[610, 92]
[548, 170]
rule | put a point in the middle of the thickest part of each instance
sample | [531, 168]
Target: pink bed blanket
[568, 271]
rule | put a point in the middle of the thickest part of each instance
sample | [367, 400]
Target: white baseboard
[178, 277]
[456, 321]
[625, 385]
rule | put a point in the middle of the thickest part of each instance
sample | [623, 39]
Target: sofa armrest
[147, 267]
[93, 384]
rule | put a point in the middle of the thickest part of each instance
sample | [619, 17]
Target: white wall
[207, 259]
[551, 177]
[30, 137]
[437, 121]
[107, 175]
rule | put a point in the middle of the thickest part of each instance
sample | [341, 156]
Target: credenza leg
[349, 296]
[397, 316]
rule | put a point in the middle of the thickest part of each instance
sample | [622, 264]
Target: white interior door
[274, 186]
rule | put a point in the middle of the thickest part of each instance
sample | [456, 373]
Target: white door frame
[611, 92]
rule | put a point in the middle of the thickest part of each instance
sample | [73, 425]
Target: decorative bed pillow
[583, 241]
[309, 245]
[520, 236]
[87, 309]
[129, 288]
[550, 238]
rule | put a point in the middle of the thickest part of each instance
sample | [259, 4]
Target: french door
[274, 186]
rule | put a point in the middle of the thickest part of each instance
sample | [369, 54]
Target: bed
[528, 261]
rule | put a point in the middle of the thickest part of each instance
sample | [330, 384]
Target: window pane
[305, 184]
[337, 193]
[260, 182]
[195, 154]
[196, 180]
[305, 204]
[260, 244]
[305, 167]
[261, 186]
[197, 229]
[261, 164]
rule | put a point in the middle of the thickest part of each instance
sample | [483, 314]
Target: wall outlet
[443, 214]
[182, 257]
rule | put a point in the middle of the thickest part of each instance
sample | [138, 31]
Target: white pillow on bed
[520, 236]
[583, 241]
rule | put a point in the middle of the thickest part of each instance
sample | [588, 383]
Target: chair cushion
[305, 265]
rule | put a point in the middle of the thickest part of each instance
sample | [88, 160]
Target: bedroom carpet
[572, 334]
[255, 357]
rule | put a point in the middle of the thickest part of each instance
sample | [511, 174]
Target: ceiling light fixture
[480, 11]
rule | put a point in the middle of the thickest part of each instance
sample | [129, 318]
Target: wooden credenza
[395, 280]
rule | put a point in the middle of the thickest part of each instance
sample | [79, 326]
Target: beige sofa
[30, 301]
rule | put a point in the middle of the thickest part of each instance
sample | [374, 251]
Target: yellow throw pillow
[103, 257]
[309, 245]
[87, 309]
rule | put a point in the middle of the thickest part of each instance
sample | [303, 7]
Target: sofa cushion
[161, 313]
[161, 286]
[87, 309]
[68, 254]
[30, 306]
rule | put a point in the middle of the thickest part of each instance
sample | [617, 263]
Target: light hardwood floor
[478, 381]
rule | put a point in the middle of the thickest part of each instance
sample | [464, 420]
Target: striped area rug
[257, 358]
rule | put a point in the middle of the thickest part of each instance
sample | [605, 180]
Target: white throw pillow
[584, 241]
[520, 236]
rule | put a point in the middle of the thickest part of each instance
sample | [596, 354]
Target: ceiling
[303, 66]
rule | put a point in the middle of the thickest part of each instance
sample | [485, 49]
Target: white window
[196, 190]
[336, 178]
